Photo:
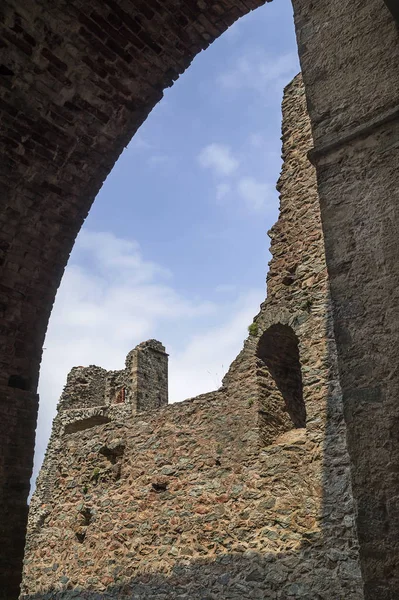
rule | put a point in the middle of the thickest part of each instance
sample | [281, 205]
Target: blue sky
[175, 246]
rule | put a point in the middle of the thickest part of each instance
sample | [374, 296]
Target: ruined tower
[141, 385]
[244, 492]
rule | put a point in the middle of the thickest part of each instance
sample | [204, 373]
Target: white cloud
[219, 158]
[110, 299]
[256, 195]
[206, 358]
[115, 256]
[260, 72]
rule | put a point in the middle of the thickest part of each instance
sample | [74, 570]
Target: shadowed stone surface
[282, 377]
[353, 102]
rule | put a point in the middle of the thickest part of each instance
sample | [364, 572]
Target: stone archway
[77, 82]
[281, 405]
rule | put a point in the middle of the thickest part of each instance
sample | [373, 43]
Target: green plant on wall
[253, 329]
[96, 474]
[307, 304]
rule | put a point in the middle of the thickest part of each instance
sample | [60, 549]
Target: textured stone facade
[93, 396]
[142, 384]
[356, 158]
[241, 493]
[77, 80]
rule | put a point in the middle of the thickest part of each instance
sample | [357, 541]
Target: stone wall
[149, 365]
[143, 383]
[93, 396]
[241, 493]
[356, 156]
[85, 388]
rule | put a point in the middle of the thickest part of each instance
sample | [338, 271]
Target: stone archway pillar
[349, 56]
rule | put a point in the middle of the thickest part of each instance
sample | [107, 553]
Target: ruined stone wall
[143, 383]
[216, 497]
[149, 366]
[93, 396]
[77, 80]
[85, 388]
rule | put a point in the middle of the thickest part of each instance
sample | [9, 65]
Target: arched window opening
[281, 404]
[19, 382]
[119, 397]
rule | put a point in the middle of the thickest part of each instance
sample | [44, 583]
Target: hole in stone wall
[5, 71]
[159, 486]
[113, 452]
[18, 382]
[281, 406]
[86, 423]
[288, 279]
[80, 536]
[86, 516]
[84, 519]
[120, 396]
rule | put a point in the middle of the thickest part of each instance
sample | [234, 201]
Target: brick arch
[77, 80]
